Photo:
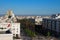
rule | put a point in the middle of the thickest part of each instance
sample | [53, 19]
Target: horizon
[30, 7]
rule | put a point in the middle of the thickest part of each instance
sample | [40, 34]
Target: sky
[30, 7]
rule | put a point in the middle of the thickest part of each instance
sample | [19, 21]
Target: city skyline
[30, 7]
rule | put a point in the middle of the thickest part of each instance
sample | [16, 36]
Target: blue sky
[30, 7]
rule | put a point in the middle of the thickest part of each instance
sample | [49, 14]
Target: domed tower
[10, 14]
[11, 17]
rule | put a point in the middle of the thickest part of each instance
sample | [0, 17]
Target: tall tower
[11, 17]
[10, 13]
[15, 29]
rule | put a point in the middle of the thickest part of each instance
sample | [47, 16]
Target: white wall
[6, 36]
[15, 28]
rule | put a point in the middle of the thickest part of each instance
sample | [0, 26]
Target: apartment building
[52, 24]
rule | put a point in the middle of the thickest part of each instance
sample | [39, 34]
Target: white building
[15, 29]
[38, 20]
[10, 18]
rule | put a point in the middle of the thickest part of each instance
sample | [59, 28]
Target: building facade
[15, 29]
[52, 24]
